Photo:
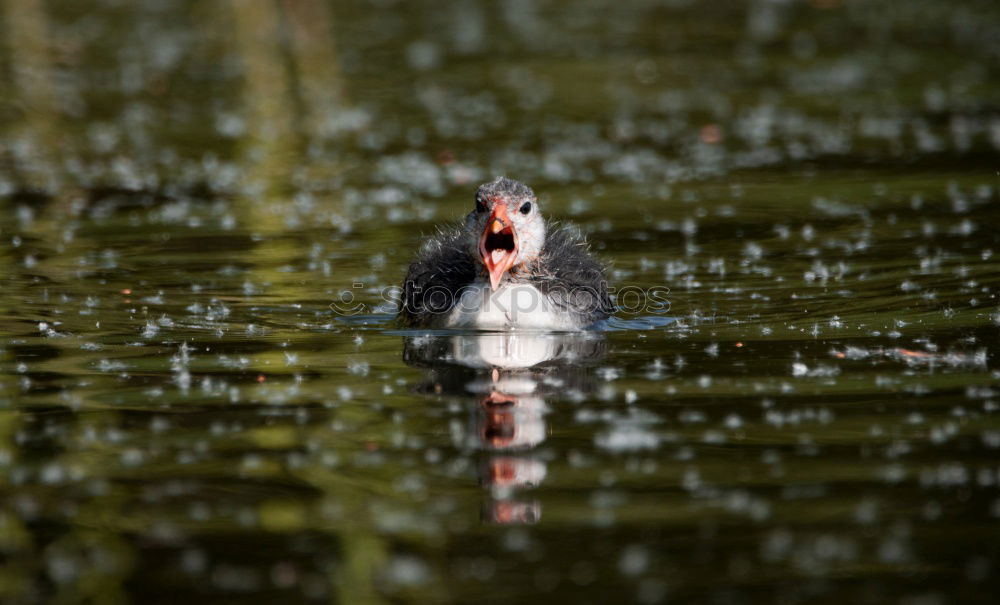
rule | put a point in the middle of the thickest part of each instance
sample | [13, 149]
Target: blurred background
[186, 187]
[404, 102]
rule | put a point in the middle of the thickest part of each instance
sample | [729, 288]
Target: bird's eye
[480, 206]
[526, 208]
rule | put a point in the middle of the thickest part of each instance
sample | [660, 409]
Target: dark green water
[188, 190]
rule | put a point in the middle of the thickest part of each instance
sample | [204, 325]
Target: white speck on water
[634, 560]
[358, 368]
[627, 438]
[405, 570]
[109, 365]
[150, 330]
[609, 374]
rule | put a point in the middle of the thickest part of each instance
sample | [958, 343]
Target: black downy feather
[443, 266]
[570, 277]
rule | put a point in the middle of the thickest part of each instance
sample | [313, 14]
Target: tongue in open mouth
[498, 246]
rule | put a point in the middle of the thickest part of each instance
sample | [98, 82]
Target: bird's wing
[572, 278]
[440, 270]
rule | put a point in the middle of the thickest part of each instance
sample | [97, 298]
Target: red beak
[498, 244]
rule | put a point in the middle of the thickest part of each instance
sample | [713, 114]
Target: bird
[505, 268]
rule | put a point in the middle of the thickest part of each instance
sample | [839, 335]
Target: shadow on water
[504, 380]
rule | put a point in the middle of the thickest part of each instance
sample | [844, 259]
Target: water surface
[203, 397]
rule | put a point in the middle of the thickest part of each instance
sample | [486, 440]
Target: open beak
[498, 244]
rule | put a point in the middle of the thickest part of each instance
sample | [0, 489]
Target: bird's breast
[512, 305]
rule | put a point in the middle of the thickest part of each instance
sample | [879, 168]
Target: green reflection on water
[187, 187]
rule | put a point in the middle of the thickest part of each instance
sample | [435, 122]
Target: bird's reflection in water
[506, 379]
